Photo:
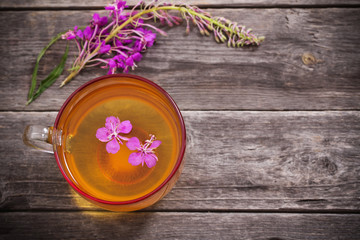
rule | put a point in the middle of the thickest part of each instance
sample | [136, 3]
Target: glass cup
[108, 180]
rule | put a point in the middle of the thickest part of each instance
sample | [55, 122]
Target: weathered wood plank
[201, 74]
[279, 161]
[207, 3]
[106, 225]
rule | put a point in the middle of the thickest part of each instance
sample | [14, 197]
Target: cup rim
[178, 162]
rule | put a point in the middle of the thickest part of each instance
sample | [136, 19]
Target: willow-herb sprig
[118, 41]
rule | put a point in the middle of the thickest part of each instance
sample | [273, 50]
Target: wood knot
[309, 59]
[330, 166]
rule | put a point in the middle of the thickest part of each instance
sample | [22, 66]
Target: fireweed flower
[145, 152]
[111, 133]
[88, 32]
[112, 65]
[117, 41]
[116, 8]
[126, 35]
[130, 61]
[97, 20]
[72, 34]
[148, 37]
[104, 48]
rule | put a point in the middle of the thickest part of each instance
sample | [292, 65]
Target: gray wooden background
[273, 143]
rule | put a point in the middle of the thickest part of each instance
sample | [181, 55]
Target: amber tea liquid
[107, 176]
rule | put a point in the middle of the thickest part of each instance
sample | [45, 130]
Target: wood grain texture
[201, 74]
[278, 161]
[205, 3]
[271, 175]
[85, 225]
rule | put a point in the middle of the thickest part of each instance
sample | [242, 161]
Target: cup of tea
[119, 141]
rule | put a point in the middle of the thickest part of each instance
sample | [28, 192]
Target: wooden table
[273, 141]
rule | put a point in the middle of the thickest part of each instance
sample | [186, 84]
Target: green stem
[70, 77]
[180, 9]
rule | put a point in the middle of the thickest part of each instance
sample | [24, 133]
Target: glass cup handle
[39, 137]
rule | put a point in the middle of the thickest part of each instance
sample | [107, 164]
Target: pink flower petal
[103, 134]
[135, 159]
[150, 160]
[129, 62]
[124, 127]
[104, 48]
[155, 144]
[133, 143]
[112, 122]
[137, 56]
[112, 146]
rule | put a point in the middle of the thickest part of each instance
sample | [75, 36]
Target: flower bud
[222, 38]
[261, 38]
[209, 27]
[170, 24]
[193, 20]
[206, 32]
[176, 19]
[229, 43]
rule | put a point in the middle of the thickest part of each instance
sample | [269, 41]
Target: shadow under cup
[109, 180]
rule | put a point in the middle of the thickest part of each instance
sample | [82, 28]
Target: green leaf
[41, 54]
[51, 78]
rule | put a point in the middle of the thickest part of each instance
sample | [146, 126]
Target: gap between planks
[206, 110]
[219, 211]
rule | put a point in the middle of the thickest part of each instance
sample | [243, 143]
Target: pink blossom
[130, 61]
[145, 152]
[71, 34]
[104, 48]
[88, 32]
[97, 20]
[117, 7]
[111, 133]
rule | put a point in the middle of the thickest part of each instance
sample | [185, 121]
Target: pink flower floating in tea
[111, 133]
[145, 152]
